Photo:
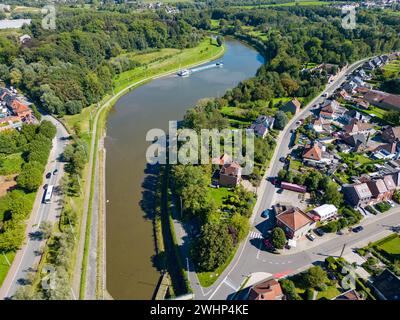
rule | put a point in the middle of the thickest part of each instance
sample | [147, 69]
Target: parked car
[48, 175]
[55, 171]
[310, 237]
[319, 232]
[340, 233]
[268, 245]
[45, 186]
[282, 159]
[391, 203]
[358, 229]
[265, 213]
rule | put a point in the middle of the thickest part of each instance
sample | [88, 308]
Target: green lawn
[391, 247]
[4, 265]
[165, 60]
[11, 164]
[219, 194]
[330, 293]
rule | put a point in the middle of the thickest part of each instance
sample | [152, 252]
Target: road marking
[255, 235]
[229, 282]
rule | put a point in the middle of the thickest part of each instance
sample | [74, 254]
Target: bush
[383, 206]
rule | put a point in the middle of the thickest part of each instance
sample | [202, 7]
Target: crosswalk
[255, 235]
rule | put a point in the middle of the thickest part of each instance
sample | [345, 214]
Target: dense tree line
[67, 70]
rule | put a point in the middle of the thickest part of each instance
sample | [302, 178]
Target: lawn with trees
[31, 146]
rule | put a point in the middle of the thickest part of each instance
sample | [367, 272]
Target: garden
[381, 254]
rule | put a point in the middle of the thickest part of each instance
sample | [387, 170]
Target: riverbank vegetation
[23, 156]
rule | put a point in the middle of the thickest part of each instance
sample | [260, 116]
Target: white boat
[219, 64]
[184, 73]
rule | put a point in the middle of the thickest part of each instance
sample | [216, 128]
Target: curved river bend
[130, 245]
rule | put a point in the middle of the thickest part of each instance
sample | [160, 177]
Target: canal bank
[131, 264]
[88, 234]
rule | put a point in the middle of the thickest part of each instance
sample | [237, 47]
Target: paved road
[28, 256]
[246, 260]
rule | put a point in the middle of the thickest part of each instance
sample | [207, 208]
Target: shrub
[383, 206]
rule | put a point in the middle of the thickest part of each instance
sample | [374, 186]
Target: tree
[278, 238]
[31, 176]
[73, 107]
[289, 289]
[214, 246]
[241, 225]
[47, 129]
[46, 229]
[315, 277]
[281, 120]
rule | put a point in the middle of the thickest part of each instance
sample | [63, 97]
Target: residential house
[352, 115]
[331, 110]
[391, 134]
[24, 38]
[358, 141]
[369, 65]
[261, 125]
[350, 87]
[361, 103]
[295, 223]
[377, 62]
[387, 151]
[315, 153]
[357, 126]
[351, 294]
[383, 100]
[343, 94]
[379, 190]
[293, 106]
[387, 286]
[325, 212]
[396, 179]
[230, 174]
[268, 289]
[320, 125]
[358, 195]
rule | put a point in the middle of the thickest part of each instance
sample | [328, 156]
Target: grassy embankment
[155, 64]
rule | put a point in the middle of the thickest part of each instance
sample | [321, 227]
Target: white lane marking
[229, 282]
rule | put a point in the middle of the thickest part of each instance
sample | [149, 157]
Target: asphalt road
[29, 255]
[249, 258]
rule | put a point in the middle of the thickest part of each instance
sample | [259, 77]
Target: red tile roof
[294, 218]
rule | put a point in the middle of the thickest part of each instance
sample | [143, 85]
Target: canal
[130, 246]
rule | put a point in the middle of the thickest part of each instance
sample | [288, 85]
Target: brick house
[391, 134]
[268, 289]
[230, 174]
[358, 195]
[295, 223]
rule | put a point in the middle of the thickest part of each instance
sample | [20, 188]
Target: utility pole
[181, 207]
[344, 246]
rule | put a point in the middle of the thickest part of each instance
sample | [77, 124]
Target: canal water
[131, 273]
